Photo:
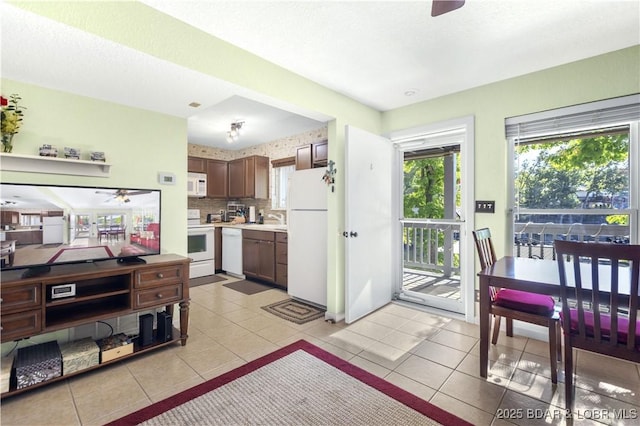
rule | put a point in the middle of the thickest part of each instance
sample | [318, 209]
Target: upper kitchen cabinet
[10, 217]
[196, 165]
[249, 177]
[313, 155]
[217, 178]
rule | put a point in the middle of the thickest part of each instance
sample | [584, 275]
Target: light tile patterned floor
[432, 356]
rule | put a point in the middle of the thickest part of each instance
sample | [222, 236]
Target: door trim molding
[462, 127]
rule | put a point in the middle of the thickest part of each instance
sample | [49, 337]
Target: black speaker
[165, 327]
[145, 335]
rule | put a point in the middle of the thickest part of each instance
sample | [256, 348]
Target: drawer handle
[159, 295]
[160, 275]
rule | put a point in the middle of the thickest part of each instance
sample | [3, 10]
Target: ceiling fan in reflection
[122, 195]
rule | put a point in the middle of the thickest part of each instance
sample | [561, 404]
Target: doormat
[209, 279]
[52, 245]
[248, 287]
[294, 311]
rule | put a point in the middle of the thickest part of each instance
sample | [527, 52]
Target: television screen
[44, 225]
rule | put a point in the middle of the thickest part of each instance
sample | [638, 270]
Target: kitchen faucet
[280, 217]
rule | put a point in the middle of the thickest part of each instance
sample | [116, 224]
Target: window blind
[603, 113]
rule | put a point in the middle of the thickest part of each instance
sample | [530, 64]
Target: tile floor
[432, 356]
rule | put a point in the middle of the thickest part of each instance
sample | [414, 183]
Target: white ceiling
[374, 52]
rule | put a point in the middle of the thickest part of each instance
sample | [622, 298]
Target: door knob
[353, 234]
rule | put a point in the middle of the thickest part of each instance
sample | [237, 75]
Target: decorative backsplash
[280, 148]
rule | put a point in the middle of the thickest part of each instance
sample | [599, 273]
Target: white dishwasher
[232, 251]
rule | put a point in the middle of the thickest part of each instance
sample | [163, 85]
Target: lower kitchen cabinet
[258, 255]
[281, 259]
[218, 248]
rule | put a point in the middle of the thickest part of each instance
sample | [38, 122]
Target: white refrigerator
[307, 236]
[52, 230]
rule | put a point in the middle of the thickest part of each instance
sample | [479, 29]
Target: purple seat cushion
[533, 303]
[605, 325]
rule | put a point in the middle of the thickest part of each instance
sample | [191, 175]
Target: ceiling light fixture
[234, 133]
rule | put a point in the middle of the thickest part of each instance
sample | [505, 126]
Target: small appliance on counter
[213, 218]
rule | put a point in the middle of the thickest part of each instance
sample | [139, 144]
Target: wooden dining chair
[519, 305]
[602, 280]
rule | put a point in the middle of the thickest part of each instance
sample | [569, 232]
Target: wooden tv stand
[104, 289]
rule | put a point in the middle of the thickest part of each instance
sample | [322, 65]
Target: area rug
[299, 384]
[209, 279]
[294, 311]
[72, 254]
[248, 287]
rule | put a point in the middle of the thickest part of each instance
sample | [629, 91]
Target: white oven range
[200, 247]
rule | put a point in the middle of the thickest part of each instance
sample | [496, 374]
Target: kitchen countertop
[22, 230]
[273, 227]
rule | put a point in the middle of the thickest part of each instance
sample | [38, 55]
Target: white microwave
[196, 185]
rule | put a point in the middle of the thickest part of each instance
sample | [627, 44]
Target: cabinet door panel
[320, 154]
[217, 179]
[236, 178]
[196, 165]
[267, 266]
[303, 157]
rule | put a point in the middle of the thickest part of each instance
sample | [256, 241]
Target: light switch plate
[485, 206]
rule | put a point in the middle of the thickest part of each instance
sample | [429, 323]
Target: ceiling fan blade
[439, 7]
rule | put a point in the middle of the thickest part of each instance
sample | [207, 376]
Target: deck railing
[535, 240]
[431, 245]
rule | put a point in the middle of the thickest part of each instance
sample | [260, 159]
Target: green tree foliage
[424, 188]
[552, 174]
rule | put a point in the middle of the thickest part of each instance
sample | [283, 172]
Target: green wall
[601, 77]
[137, 143]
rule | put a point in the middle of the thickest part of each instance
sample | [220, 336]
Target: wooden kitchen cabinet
[217, 178]
[10, 218]
[320, 154]
[218, 248]
[196, 165]
[281, 259]
[249, 177]
[258, 255]
[303, 157]
[25, 237]
[313, 155]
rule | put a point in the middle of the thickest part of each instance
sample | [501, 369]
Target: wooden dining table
[535, 276]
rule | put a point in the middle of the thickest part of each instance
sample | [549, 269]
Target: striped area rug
[299, 385]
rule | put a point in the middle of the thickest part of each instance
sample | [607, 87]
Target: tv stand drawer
[159, 276]
[19, 298]
[157, 296]
[20, 325]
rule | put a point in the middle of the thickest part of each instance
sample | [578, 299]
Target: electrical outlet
[485, 206]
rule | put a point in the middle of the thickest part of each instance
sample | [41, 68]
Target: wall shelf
[53, 165]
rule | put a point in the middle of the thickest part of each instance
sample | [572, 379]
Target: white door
[368, 223]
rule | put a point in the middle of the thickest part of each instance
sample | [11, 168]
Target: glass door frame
[452, 132]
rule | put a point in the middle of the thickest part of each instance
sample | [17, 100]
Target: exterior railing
[535, 240]
[432, 245]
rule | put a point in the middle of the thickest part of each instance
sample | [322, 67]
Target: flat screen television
[45, 225]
